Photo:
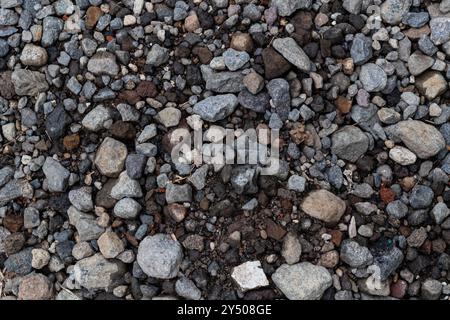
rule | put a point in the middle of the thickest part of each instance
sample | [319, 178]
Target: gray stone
[135, 165]
[419, 63]
[110, 245]
[444, 6]
[388, 261]
[287, 7]
[198, 178]
[440, 30]
[281, 99]
[15, 189]
[361, 49]
[8, 17]
[421, 197]
[186, 288]
[290, 50]
[234, 60]
[4, 48]
[57, 176]
[243, 179]
[178, 193]
[110, 157]
[96, 119]
[157, 55]
[103, 62]
[81, 198]
[31, 218]
[127, 208]
[96, 272]
[440, 212]
[393, 11]
[86, 225]
[402, 156]
[419, 137]
[397, 209]
[296, 183]
[33, 55]
[222, 82]
[159, 256]
[324, 205]
[349, 143]
[256, 102]
[216, 108]
[126, 187]
[355, 255]
[169, 117]
[249, 276]
[292, 249]
[8, 4]
[56, 122]
[352, 6]
[431, 84]
[302, 281]
[373, 77]
[28, 83]
[431, 289]
[416, 19]
[52, 28]
[20, 262]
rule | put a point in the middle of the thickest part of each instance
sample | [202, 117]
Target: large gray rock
[419, 137]
[160, 256]
[96, 119]
[323, 205]
[216, 108]
[349, 143]
[52, 27]
[418, 63]
[28, 83]
[287, 7]
[302, 281]
[57, 176]
[393, 11]
[291, 51]
[103, 62]
[98, 273]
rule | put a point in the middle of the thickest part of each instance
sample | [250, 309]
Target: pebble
[127, 208]
[169, 117]
[57, 175]
[249, 276]
[82, 199]
[289, 49]
[393, 11]
[28, 83]
[349, 143]
[110, 245]
[355, 255]
[323, 205]
[292, 249]
[216, 108]
[103, 63]
[35, 287]
[178, 193]
[402, 156]
[187, 289]
[372, 77]
[33, 55]
[234, 60]
[110, 157]
[296, 183]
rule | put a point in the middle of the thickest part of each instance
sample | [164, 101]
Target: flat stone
[324, 206]
[222, 82]
[290, 50]
[178, 193]
[216, 107]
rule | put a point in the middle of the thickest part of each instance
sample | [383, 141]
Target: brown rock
[6, 87]
[274, 64]
[35, 287]
[387, 195]
[92, 16]
[13, 222]
[129, 96]
[336, 237]
[343, 104]
[123, 130]
[398, 289]
[110, 157]
[274, 231]
[146, 89]
[324, 206]
[329, 259]
[177, 211]
[103, 198]
[416, 33]
[242, 42]
[204, 55]
[71, 142]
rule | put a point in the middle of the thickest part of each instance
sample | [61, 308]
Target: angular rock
[290, 50]
[324, 206]
[110, 157]
[349, 143]
[373, 78]
[103, 62]
[249, 276]
[33, 55]
[28, 83]
[57, 176]
[217, 107]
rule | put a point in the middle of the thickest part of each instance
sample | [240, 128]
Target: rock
[249, 276]
[82, 199]
[157, 55]
[31, 218]
[419, 137]
[234, 60]
[421, 197]
[440, 30]
[296, 183]
[222, 82]
[274, 64]
[355, 255]
[96, 272]
[186, 288]
[216, 107]
[103, 63]
[323, 205]
[126, 187]
[361, 49]
[15, 189]
[418, 63]
[127, 208]
[289, 49]
[431, 289]
[253, 82]
[51, 27]
[34, 56]
[159, 256]
[402, 156]
[86, 225]
[178, 193]
[393, 11]
[440, 212]
[372, 77]
[8, 17]
[292, 249]
[92, 16]
[417, 237]
[444, 6]
[302, 281]
[349, 143]
[96, 119]
[40, 258]
[431, 84]
[35, 287]
[57, 176]
[243, 179]
[110, 157]
[57, 122]
[255, 102]
[397, 209]
[198, 178]
[242, 42]
[110, 245]
[286, 8]
[19, 263]
[281, 99]
[169, 117]
[352, 6]
[388, 261]
[28, 83]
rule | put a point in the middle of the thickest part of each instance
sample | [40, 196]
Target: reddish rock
[387, 195]
[123, 130]
[274, 231]
[274, 64]
[129, 96]
[147, 89]
[336, 237]
[13, 222]
[204, 55]
[35, 287]
[343, 104]
[398, 289]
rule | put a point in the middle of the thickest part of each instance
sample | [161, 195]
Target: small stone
[355, 255]
[254, 82]
[440, 30]
[249, 276]
[82, 199]
[33, 55]
[234, 60]
[198, 178]
[157, 55]
[177, 211]
[302, 281]
[431, 289]
[361, 49]
[349, 143]
[242, 42]
[324, 206]
[126, 187]
[289, 49]
[402, 156]
[103, 63]
[440, 212]
[127, 208]
[40, 258]
[35, 287]
[52, 28]
[292, 249]
[296, 183]
[216, 107]
[421, 197]
[191, 23]
[417, 237]
[93, 14]
[274, 64]
[418, 63]
[186, 288]
[169, 117]
[431, 84]
[29, 83]
[397, 209]
[352, 6]
[159, 256]
[110, 157]
[110, 245]
[57, 122]
[286, 8]
[178, 193]
[222, 82]
[96, 119]
[373, 78]
[57, 176]
[257, 103]
[393, 11]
